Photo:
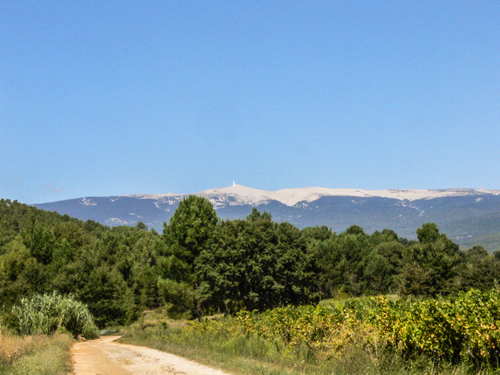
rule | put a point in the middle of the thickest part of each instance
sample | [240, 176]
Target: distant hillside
[468, 216]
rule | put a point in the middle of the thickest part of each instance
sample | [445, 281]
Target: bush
[51, 312]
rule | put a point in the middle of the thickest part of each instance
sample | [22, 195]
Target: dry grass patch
[37, 355]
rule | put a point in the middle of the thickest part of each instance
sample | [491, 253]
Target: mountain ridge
[468, 216]
[293, 196]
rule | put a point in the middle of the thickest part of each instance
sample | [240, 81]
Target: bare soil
[105, 357]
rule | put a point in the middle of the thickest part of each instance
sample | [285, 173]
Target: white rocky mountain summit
[241, 195]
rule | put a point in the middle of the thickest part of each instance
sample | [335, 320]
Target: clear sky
[102, 98]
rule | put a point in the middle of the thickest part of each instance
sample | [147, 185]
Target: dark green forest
[202, 264]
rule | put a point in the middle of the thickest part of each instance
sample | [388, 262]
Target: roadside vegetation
[36, 355]
[40, 334]
[264, 286]
[50, 313]
[375, 335]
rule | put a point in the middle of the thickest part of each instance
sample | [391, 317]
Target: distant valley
[467, 216]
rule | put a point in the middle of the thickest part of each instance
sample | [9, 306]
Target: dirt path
[105, 357]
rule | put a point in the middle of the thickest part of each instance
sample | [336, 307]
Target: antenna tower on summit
[234, 183]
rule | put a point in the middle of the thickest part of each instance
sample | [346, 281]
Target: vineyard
[455, 330]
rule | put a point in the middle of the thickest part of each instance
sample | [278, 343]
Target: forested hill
[202, 264]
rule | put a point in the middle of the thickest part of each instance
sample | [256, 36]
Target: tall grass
[45, 314]
[35, 355]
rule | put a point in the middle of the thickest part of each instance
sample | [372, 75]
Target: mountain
[468, 216]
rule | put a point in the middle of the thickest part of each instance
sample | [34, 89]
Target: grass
[244, 354]
[156, 332]
[35, 355]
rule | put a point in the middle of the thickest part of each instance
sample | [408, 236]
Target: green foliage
[202, 265]
[320, 233]
[478, 269]
[235, 347]
[382, 265]
[428, 233]
[108, 297]
[429, 268]
[255, 264]
[190, 227]
[38, 240]
[175, 269]
[462, 329]
[343, 259]
[48, 313]
[179, 297]
[187, 234]
[113, 270]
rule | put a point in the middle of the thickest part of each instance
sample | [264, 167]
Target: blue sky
[102, 98]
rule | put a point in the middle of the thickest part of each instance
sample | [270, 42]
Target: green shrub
[51, 312]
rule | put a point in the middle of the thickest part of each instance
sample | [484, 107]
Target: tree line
[201, 264]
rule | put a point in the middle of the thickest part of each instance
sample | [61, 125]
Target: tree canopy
[202, 264]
